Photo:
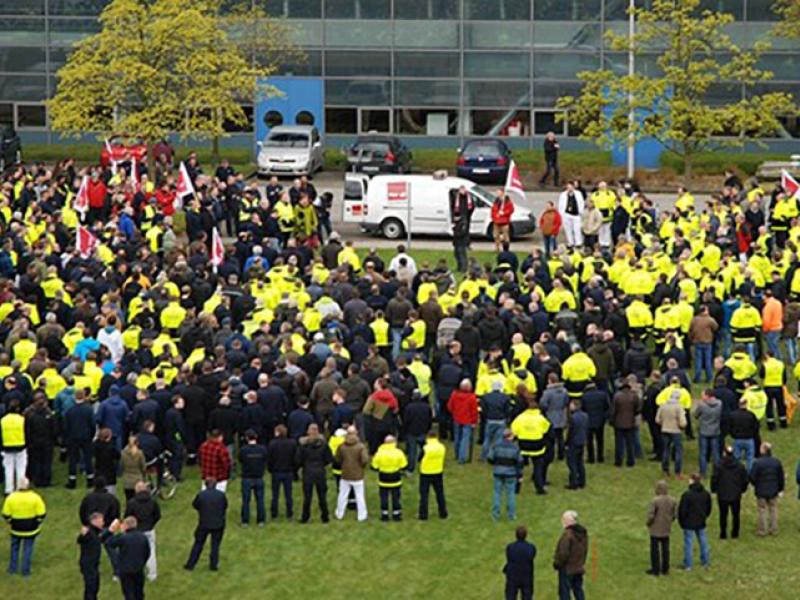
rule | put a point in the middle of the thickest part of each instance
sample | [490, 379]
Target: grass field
[457, 558]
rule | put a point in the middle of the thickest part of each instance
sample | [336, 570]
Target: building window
[294, 9]
[304, 118]
[545, 121]
[6, 114]
[498, 10]
[357, 9]
[273, 119]
[31, 116]
[378, 120]
[436, 65]
[362, 63]
[426, 121]
[426, 9]
[504, 123]
[341, 120]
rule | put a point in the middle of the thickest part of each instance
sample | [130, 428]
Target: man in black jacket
[495, 411]
[768, 482]
[693, 511]
[595, 403]
[253, 457]
[729, 482]
[742, 425]
[40, 436]
[175, 435]
[147, 513]
[210, 505]
[79, 429]
[280, 462]
[519, 567]
[417, 418]
[551, 148]
[91, 539]
[313, 455]
[133, 551]
[100, 500]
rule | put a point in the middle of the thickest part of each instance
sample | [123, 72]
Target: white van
[386, 203]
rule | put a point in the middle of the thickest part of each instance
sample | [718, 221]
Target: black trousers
[132, 585]
[559, 442]
[595, 442]
[397, 509]
[321, 486]
[80, 452]
[552, 167]
[655, 435]
[774, 401]
[91, 582]
[539, 471]
[659, 555]
[577, 472]
[426, 482]
[200, 536]
[623, 445]
[521, 590]
[734, 508]
[40, 465]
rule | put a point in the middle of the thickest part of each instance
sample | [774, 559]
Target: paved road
[535, 201]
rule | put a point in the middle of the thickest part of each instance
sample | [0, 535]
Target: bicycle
[162, 482]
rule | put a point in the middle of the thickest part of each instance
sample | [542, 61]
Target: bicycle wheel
[168, 487]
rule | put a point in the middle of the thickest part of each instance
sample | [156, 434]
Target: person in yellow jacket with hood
[390, 462]
[24, 510]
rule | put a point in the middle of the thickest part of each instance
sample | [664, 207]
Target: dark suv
[10, 147]
[373, 154]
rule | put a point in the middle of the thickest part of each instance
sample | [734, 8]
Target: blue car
[484, 160]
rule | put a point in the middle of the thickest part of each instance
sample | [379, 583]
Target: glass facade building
[425, 69]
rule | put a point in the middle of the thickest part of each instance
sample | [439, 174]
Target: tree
[790, 11]
[164, 66]
[694, 57]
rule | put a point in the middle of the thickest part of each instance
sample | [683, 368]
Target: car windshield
[287, 140]
[481, 149]
[482, 193]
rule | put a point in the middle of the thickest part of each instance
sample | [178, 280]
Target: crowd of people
[292, 354]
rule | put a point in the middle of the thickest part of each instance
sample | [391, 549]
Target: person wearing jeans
[702, 362]
[672, 419]
[463, 405]
[709, 416]
[693, 512]
[570, 557]
[24, 510]
[742, 426]
[507, 463]
[253, 457]
[702, 331]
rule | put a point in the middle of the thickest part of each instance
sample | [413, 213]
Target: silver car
[290, 150]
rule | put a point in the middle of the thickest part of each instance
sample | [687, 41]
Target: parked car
[484, 160]
[122, 149]
[10, 147]
[386, 204]
[290, 150]
[378, 154]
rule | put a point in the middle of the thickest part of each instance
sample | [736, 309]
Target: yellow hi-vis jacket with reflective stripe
[389, 461]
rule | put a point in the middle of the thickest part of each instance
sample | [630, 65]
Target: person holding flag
[217, 249]
[184, 187]
[503, 207]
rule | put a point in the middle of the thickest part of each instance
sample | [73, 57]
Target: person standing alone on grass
[210, 505]
[431, 475]
[506, 461]
[353, 458]
[729, 482]
[551, 148]
[768, 482]
[570, 557]
[24, 510]
[693, 511]
[520, 556]
[660, 515]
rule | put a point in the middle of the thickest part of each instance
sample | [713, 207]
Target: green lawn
[457, 558]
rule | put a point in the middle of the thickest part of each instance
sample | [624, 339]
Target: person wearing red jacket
[550, 225]
[165, 198]
[97, 192]
[463, 405]
[502, 209]
[215, 460]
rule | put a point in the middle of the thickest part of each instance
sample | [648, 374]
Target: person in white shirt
[570, 207]
[410, 265]
[111, 337]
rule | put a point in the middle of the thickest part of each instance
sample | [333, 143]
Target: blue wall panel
[298, 95]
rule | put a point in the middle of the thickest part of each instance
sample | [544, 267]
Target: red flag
[789, 184]
[184, 187]
[217, 249]
[135, 175]
[85, 242]
[81, 201]
[514, 182]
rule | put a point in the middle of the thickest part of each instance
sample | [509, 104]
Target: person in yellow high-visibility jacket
[578, 370]
[24, 510]
[532, 430]
[390, 462]
[756, 399]
[773, 378]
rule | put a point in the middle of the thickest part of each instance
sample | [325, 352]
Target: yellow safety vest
[12, 427]
[389, 461]
[433, 455]
[417, 335]
[773, 372]
[530, 427]
[380, 331]
[25, 510]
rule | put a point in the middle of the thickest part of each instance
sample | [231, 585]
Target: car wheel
[392, 229]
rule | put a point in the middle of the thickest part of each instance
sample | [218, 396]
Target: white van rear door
[430, 205]
[354, 205]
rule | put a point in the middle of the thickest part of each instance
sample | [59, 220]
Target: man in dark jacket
[495, 410]
[210, 505]
[595, 404]
[280, 462]
[577, 432]
[91, 539]
[768, 482]
[40, 436]
[253, 457]
[570, 557]
[133, 552]
[625, 407]
[417, 418]
[519, 567]
[742, 425]
[313, 456]
[175, 435]
[147, 513]
[693, 511]
[79, 429]
[729, 482]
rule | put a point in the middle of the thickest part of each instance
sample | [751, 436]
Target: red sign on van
[397, 192]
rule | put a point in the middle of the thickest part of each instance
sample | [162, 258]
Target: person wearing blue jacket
[79, 428]
[518, 570]
[114, 414]
[506, 461]
[595, 403]
[577, 432]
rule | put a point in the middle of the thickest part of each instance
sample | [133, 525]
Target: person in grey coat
[553, 405]
[708, 414]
